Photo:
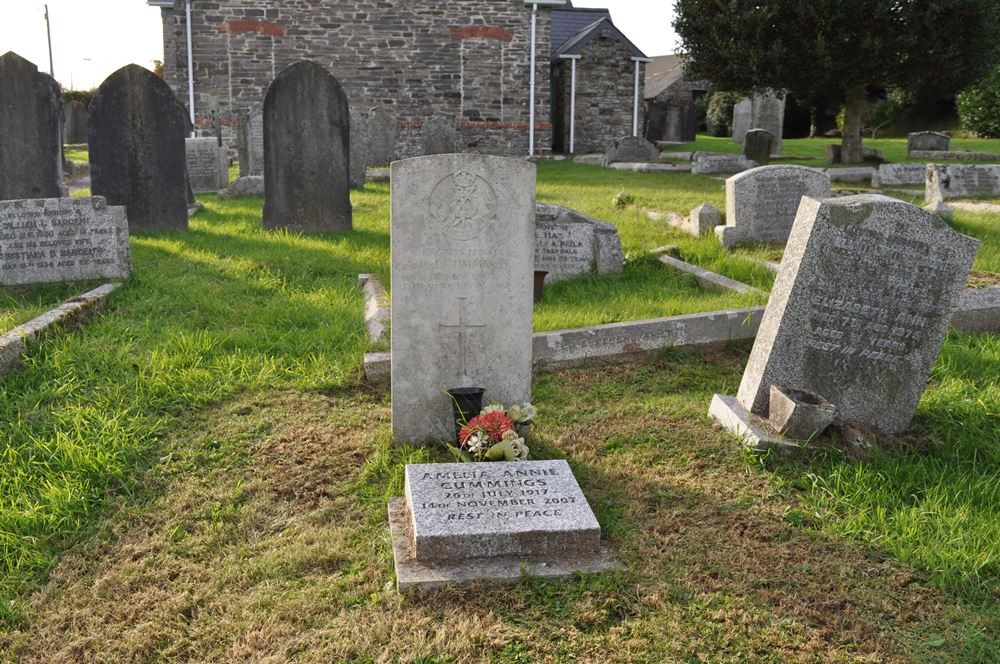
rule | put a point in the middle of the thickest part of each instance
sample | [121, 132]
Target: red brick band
[481, 32]
[261, 27]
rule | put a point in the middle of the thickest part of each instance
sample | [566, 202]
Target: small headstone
[244, 187]
[742, 117]
[703, 220]
[761, 203]
[383, 128]
[859, 309]
[30, 135]
[928, 140]
[463, 245]
[137, 152]
[958, 181]
[570, 244]
[307, 151]
[208, 168]
[438, 136]
[705, 163]
[631, 149]
[74, 122]
[47, 240]
[359, 148]
[250, 141]
[894, 175]
[757, 145]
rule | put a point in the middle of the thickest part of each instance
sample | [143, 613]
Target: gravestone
[570, 244]
[137, 152]
[703, 220]
[307, 150]
[208, 168]
[463, 245]
[250, 141]
[438, 136]
[461, 522]
[742, 117]
[769, 114]
[631, 149]
[958, 181]
[359, 148]
[717, 162]
[889, 175]
[44, 240]
[936, 141]
[757, 145]
[74, 122]
[859, 309]
[761, 203]
[383, 132]
[244, 187]
[30, 135]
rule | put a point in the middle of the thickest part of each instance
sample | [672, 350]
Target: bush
[78, 95]
[979, 106]
[719, 117]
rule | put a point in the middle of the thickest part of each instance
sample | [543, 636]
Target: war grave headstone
[935, 141]
[250, 141]
[742, 117]
[359, 148]
[761, 203]
[383, 130]
[307, 151]
[74, 122]
[757, 145]
[137, 150]
[438, 136]
[30, 133]
[857, 315]
[462, 259]
[957, 181]
[208, 167]
[631, 149]
[570, 244]
[45, 240]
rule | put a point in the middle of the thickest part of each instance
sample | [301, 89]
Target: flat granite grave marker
[137, 152]
[957, 181]
[208, 168]
[858, 312]
[30, 132]
[307, 158]
[463, 252]
[383, 129]
[45, 240]
[570, 244]
[460, 522]
[761, 203]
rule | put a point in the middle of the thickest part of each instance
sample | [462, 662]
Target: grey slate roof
[601, 27]
[568, 22]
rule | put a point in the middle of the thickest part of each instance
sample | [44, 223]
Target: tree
[979, 106]
[838, 47]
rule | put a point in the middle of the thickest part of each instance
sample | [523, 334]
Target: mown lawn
[200, 474]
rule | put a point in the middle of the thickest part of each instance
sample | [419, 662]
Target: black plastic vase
[466, 402]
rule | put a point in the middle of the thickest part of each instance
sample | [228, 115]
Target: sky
[93, 38]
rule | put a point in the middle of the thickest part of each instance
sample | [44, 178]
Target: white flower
[522, 412]
[520, 449]
[475, 441]
[492, 408]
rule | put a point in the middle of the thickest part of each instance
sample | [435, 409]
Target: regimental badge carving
[464, 206]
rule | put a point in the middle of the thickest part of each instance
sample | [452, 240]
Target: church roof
[568, 22]
[602, 27]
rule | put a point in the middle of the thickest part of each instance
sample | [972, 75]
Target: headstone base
[754, 431]
[413, 575]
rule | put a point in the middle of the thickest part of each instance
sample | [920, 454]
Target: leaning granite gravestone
[956, 181]
[858, 312]
[761, 203]
[359, 148]
[935, 141]
[570, 244]
[250, 141]
[438, 136]
[742, 117]
[208, 168]
[46, 240]
[30, 148]
[137, 152]
[630, 149]
[463, 245]
[463, 522]
[307, 147]
[757, 145]
[383, 131]
[74, 122]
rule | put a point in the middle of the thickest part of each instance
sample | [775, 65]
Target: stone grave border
[707, 280]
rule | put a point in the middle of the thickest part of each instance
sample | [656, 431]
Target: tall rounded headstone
[137, 154]
[74, 122]
[30, 150]
[383, 130]
[307, 150]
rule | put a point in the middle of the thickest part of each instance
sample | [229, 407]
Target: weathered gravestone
[757, 145]
[463, 245]
[742, 118]
[769, 115]
[438, 136]
[208, 168]
[250, 141]
[761, 203]
[630, 149]
[307, 151]
[569, 244]
[383, 132]
[719, 162]
[45, 240]
[936, 141]
[888, 175]
[956, 181]
[858, 312]
[359, 148]
[74, 122]
[30, 148]
[137, 153]
[461, 522]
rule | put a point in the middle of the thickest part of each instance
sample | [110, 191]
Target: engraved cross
[463, 328]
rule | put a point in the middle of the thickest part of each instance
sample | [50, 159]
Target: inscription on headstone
[956, 181]
[569, 244]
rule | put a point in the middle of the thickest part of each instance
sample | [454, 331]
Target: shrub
[719, 117]
[979, 106]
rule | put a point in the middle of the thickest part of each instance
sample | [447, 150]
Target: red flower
[492, 424]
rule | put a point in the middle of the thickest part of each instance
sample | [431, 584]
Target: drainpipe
[190, 65]
[531, 93]
[572, 100]
[635, 100]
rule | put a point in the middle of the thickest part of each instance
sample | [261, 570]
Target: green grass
[78, 153]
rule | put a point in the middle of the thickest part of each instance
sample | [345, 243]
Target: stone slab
[570, 244]
[704, 163]
[707, 279]
[951, 155]
[46, 240]
[946, 181]
[927, 141]
[421, 576]
[207, 164]
[631, 149]
[651, 167]
[978, 311]
[855, 174]
[752, 430]
[896, 175]
[488, 509]
[378, 314]
[244, 186]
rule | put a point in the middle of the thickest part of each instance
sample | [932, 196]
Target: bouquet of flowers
[493, 436]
